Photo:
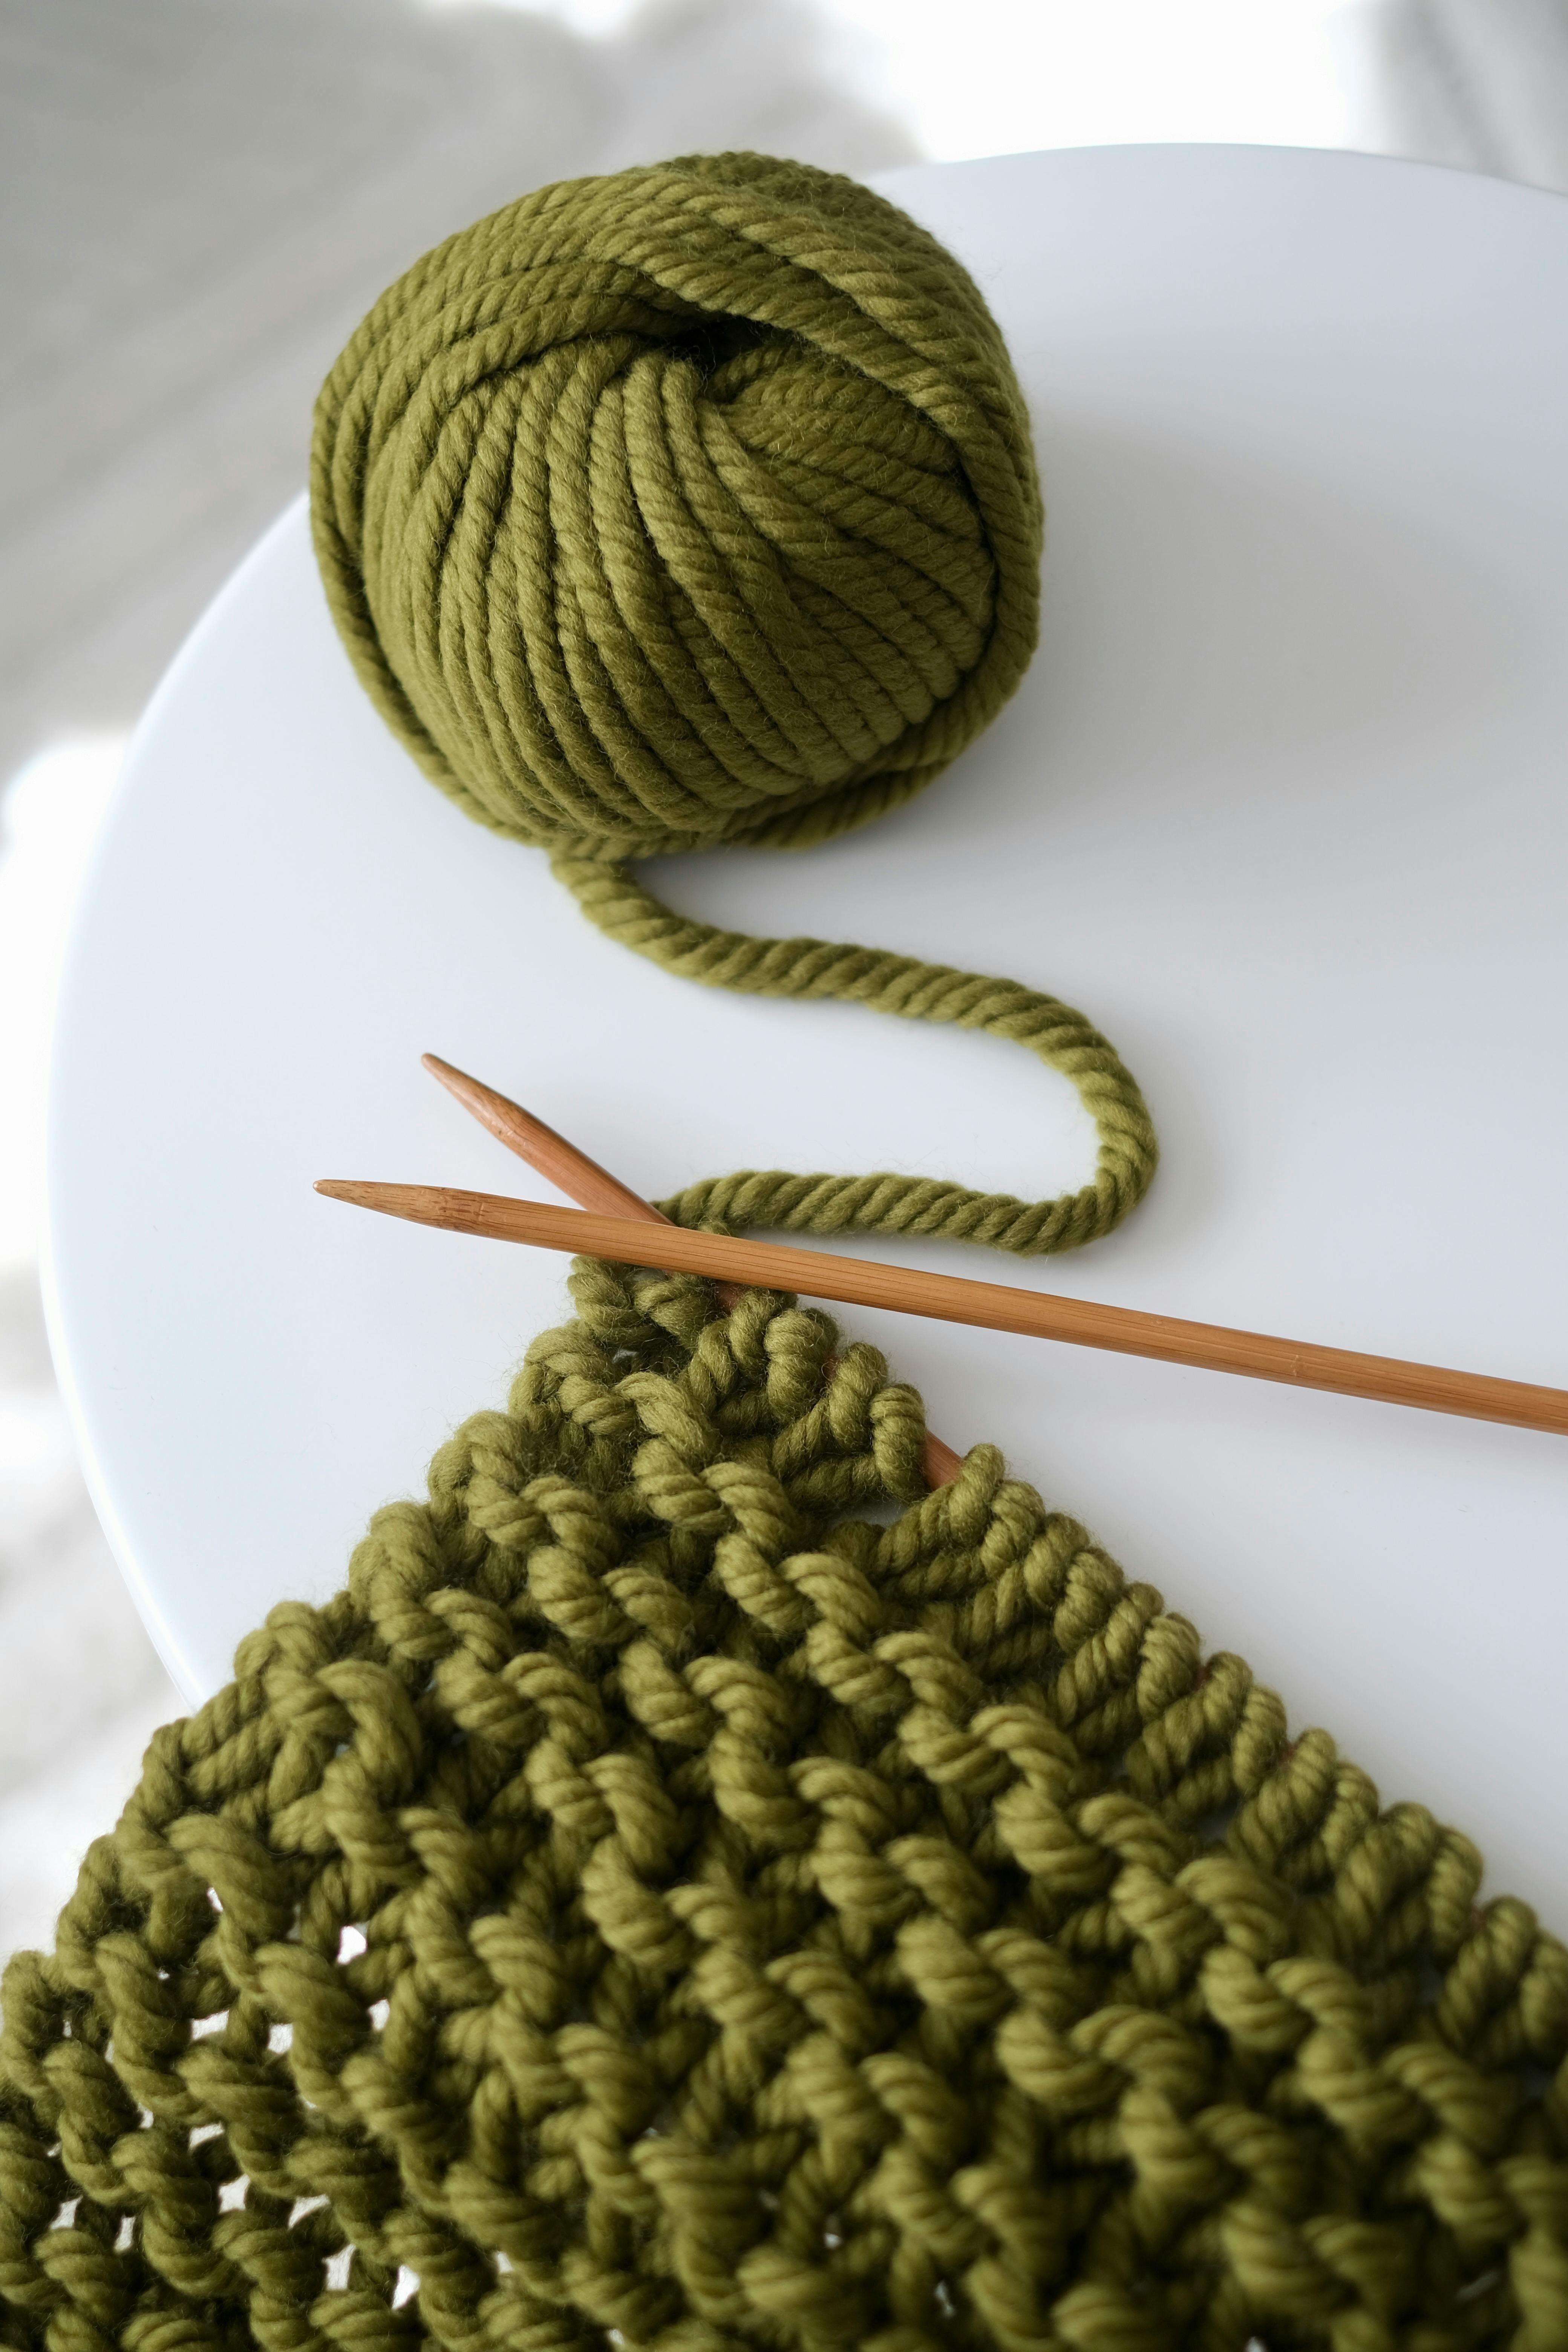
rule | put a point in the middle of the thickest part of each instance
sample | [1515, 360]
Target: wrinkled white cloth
[1483, 84]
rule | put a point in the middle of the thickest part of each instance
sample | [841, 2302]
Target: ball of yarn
[692, 504]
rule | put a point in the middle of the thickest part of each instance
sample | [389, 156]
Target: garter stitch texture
[669, 1903]
[698, 504]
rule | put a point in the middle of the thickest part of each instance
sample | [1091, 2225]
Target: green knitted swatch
[697, 504]
[666, 1905]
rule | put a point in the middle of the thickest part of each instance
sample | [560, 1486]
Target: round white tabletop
[1280, 805]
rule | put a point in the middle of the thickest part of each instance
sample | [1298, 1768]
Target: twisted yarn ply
[692, 504]
[698, 504]
[660, 1906]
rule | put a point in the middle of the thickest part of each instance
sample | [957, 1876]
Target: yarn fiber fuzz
[695, 1890]
[695, 503]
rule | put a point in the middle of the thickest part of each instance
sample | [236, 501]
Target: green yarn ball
[697, 504]
[690, 505]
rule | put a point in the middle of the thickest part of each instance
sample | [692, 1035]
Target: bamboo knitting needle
[772, 1265]
[592, 1187]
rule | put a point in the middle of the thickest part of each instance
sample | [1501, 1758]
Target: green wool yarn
[697, 504]
[692, 504]
[695, 1892]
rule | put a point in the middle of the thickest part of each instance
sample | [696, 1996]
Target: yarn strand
[885, 1202]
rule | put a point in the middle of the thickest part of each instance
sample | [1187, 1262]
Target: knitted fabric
[695, 1891]
[697, 504]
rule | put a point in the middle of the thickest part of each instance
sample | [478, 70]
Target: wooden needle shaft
[592, 1187]
[996, 1307]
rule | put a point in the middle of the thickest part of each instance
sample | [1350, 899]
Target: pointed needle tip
[470, 1091]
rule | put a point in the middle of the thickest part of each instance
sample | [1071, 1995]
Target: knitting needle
[772, 1265]
[592, 1187]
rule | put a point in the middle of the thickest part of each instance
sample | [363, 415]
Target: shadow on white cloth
[80, 1689]
[1483, 84]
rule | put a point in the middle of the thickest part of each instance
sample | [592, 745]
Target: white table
[1282, 804]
